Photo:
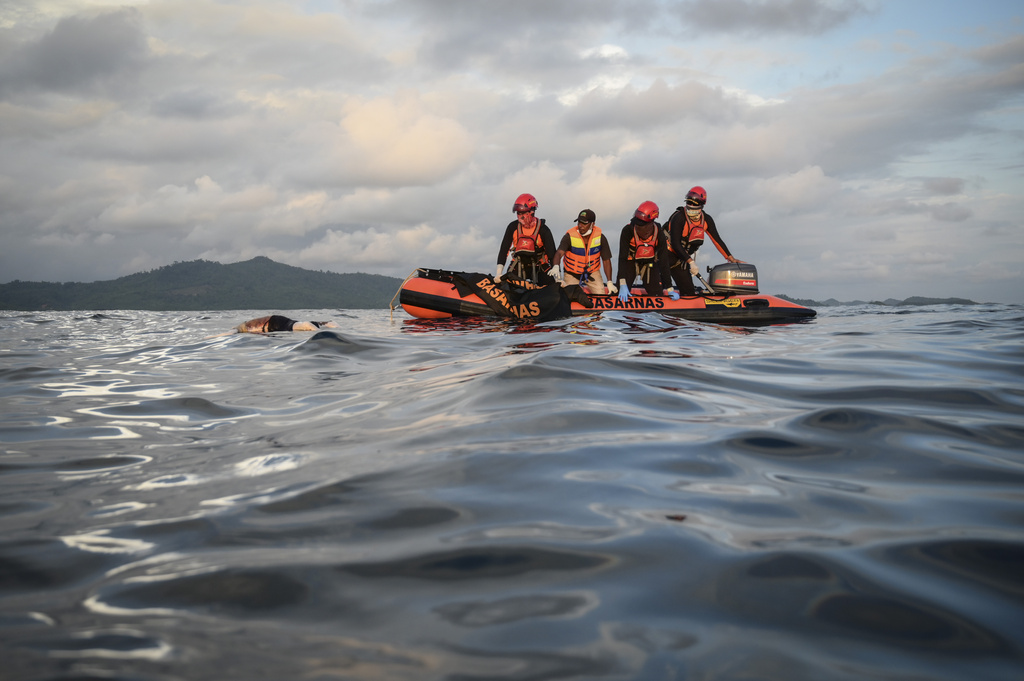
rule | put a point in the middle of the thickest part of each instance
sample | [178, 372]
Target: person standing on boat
[685, 230]
[530, 242]
[643, 253]
[584, 251]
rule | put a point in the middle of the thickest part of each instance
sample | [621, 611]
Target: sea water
[622, 496]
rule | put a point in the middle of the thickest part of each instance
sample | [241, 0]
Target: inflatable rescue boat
[730, 297]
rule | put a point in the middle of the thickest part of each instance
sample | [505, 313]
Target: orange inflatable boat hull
[426, 297]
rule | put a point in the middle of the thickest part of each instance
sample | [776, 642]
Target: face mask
[693, 213]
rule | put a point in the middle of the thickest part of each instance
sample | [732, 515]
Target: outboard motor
[733, 278]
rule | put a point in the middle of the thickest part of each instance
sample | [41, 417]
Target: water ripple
[612, 497]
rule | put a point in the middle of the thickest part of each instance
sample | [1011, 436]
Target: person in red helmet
[643, 253]
[686, 230]
[584, 250]
[530, 242]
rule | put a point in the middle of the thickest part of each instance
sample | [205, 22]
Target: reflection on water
[617, 496]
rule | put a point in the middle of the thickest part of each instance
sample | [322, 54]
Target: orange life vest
[527, 241]
[692, 232]
[644, 250]
[584, 254]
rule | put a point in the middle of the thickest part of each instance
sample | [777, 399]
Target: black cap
[586, 215]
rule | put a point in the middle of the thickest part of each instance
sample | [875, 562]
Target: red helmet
[697, 197]
[647, 211]
[525, 202]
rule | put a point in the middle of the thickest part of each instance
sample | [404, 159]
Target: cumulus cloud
[399, 142]
[372, 248]
[944, 186]
[460, 33]
[194, 103]
[383, 136]
[950, 212]
[846, 129]
[174, 208]
[658, 105]
[801, 17]
[1009, 52]
[79, 54]
[808, 189]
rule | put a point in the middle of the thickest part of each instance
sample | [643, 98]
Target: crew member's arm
[549, 241]
[664, 266]
[627, 268]
[556, 259]
[562, 248]
[675, 233]
[506, 243]
[606, 259]
[717, 240]
[689, 256]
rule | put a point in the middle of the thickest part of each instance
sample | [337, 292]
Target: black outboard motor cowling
[733, 278]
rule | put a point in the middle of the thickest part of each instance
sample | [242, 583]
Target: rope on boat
[391, 305]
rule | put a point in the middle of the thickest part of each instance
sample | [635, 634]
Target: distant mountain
[918, 300]
[888, 302]
[257, 284]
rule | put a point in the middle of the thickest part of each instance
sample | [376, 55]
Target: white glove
[693, 268]
[555, 274]
[611, 289]
[497, 272]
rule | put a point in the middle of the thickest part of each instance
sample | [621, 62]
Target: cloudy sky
[850, 148]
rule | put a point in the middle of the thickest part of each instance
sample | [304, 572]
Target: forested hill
[257, 284]
[888, 302]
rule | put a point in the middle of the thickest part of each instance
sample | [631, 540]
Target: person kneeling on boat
[643, 253]
[685, 230]
[530, 241]
[278, 322]
[584, 251]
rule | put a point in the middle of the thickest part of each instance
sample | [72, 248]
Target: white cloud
[372, 248]
[385, 136]
[808, 189]
[397, 141]
[606, 52]
[760, 17]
